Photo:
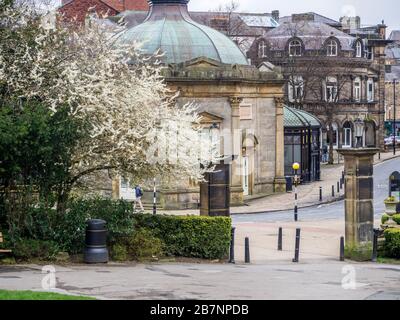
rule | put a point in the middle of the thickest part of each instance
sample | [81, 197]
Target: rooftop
[296, 118]
[169, 28]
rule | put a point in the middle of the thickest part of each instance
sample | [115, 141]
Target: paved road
[335, 210]
[215, 281]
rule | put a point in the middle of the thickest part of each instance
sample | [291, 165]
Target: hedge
[42, 232]
[396, 218]
[392, 243]
[189, 236]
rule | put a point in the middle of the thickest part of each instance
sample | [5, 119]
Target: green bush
[70, 231]
[392, 243]
[396, 218]
[190, 236]
[27, 249]
[144, 244]
[117, 213]
[119, 252]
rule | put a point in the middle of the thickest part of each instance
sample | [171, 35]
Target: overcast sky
[370, 11]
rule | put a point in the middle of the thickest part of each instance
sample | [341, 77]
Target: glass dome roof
[296, 118]
[169, 27]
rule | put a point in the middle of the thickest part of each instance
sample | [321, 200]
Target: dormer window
[359, 49]
[295, 48]
[262, 49]
[332, 48]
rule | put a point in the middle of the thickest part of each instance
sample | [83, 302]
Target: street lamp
[296, 167]
[359, 130]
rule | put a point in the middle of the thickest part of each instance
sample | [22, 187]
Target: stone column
[279, 181]
[359, 207]
[236, 168]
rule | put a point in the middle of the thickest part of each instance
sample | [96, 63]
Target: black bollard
[320, 194]
[232, 248]
[280, 239]
[333, 191]
[375, 246]
[297, 246]
[341, 183]
[338, 187]
[342, 249]
[246, 250]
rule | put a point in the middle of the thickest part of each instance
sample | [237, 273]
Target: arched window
[347, 135]
[332, 48]
[359, 49]
[295, 48]
[262, 49]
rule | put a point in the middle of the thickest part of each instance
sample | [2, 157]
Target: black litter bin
[289, 184]
[96, 242]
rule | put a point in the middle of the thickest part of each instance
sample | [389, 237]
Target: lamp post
[296, 167]
[359, 130]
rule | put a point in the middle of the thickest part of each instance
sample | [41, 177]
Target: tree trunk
[62, 199]
[330, 133]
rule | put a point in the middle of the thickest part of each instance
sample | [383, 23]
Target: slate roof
[313, 35]
[394, 75]
[395, 35]
[317, 18]
[247, 24]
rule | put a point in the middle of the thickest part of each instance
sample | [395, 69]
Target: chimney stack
[275, 15]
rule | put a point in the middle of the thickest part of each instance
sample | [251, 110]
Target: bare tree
[315, 81]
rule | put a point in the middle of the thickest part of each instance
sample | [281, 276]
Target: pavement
[271, 274]
[315, 280]
[308, 194]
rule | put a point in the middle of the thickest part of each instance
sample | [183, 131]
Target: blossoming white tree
[132, 125]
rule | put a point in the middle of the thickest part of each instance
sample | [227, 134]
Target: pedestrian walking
[324, 153]
[138, 198]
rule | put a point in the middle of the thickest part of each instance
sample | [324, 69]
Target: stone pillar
[359, 207]
[279, 181]
[236, 168]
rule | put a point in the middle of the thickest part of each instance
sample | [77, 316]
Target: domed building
[208, 68]
[335, 76]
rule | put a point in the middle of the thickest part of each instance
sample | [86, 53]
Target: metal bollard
[333, 191]
[232, 248]
[342, 249]
[375, 246]
[297, 246]
[338, 187]
[246, 250]
[341, 183]
[280, 239]
[320, 194]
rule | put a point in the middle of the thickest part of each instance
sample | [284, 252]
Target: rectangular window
[296, 88]
[357, 91]
[370, 90]
[331, 93]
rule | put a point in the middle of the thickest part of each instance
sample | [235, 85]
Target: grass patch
[32, 295]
